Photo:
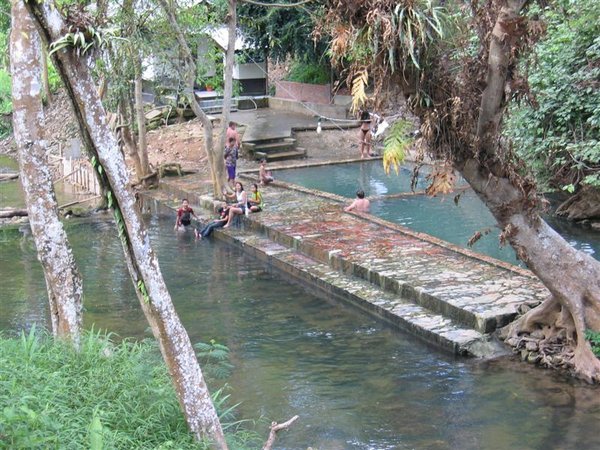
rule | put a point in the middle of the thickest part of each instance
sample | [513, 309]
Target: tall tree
[214, 154]
[460, 90]
[228, 72]
[72, 64]
[63, 281]
[284, 28]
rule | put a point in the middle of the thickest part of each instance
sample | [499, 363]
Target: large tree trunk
[63, 281]
[142, 263]
[214, 155]
[572, 277]
[229, 61]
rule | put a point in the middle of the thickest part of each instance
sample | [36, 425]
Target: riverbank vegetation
[556, 130]
[108, 395]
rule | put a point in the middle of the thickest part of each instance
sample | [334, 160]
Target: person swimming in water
[184, 216]
[360, 203]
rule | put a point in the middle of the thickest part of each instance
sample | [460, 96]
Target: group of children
[244, 204]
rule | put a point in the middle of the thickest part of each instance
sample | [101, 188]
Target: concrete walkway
[269, 124]
[446, 295]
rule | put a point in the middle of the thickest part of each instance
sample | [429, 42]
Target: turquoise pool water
[440, 216]
[355, 382]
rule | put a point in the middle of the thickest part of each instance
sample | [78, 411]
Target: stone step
[274, 147]
[472, 312]
[427, 277]
[321, 279]
[299, 152]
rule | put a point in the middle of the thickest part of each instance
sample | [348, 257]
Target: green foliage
[560, 138]
[4, 62]
[214, 358]
[105, 396]
[285, 32]
[84, 40]
[5, 92]
[594, 339]
[53, 78]
[5, 103]
[395, 145]
[306, 72]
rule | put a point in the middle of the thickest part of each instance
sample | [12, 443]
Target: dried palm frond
[442, 181]
[359, 84]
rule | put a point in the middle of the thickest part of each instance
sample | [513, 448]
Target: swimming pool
[440, 216]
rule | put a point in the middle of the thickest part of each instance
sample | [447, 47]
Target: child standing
[231, 156]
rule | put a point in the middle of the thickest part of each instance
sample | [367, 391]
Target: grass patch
[107, 396]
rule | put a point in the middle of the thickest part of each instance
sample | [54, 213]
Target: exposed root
[585, 364]
[551, 336]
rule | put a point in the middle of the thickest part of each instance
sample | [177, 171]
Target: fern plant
[359, 86]
[214, 359]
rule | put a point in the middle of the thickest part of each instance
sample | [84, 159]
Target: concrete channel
[445, 295]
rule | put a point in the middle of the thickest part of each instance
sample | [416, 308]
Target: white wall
[249, 71]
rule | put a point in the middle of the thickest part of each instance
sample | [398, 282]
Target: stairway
[275, 149]
[323, 280]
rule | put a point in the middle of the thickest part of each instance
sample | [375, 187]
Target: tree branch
[275, 427]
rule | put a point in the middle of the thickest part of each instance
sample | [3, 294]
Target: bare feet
[226, 226]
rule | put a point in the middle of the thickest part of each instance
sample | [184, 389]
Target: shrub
[308, 73]
[594, 339]
[560, 138]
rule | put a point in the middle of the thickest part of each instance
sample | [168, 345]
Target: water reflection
[356, 383]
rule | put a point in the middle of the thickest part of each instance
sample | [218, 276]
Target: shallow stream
[355, 382]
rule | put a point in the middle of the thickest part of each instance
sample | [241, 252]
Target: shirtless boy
[360, 203]
[264, 176]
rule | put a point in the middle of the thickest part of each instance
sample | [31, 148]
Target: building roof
[221, 37]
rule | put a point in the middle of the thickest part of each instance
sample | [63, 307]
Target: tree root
[550, 336]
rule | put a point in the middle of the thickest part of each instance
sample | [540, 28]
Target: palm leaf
[395, 144]
[359, 84]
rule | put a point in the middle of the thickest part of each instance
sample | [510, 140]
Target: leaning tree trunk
[142, 263]
[214, 155]
[572, 277]
[229, 61]
[63, 281]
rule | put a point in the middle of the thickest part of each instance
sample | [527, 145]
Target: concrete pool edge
[401, 229]
[389, 305]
